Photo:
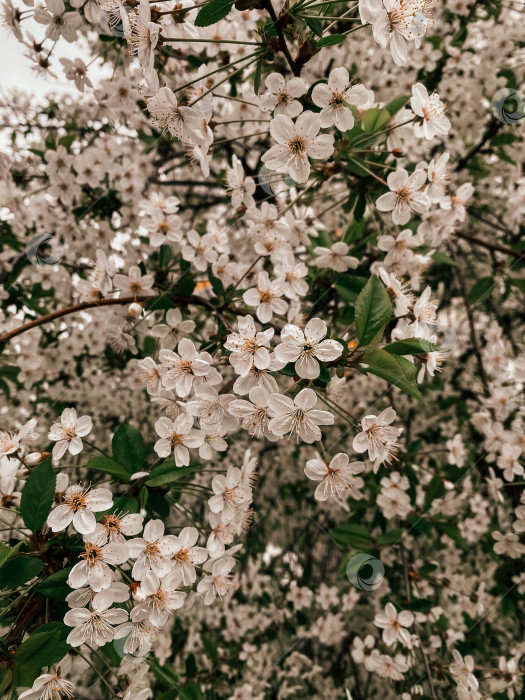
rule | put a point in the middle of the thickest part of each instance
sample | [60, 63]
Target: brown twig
[491, 246]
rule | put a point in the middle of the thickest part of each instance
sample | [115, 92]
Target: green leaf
[434, 490]
[451, 530]
[38, 495]
[19, 570]
[315, 25]
[391, 537]
[397, 104]
[375, 119]
[352, 535]
[6, 552]
[213, 12]
[331, 40]
[348, 287]
[67, 140]
[167, 473]
[55, 586]
[411, 346]
[108, 466]
[373, 310]
[257, 77]
[518, 283]
[396, 370]
[128, 448]
[481, 290]
[44, 647]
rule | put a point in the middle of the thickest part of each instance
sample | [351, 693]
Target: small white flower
[49, 686]
[431, 110]
[78, 508]
[152, 551]
[405, 196]
[298, 416]
[96, 626]
[337, 479]
[95, 570]
[331, 98]
[394, 625]
[67, 433]
[306, 347]
[266, 297]
[296, 143]
[179, 371]
[187, 555]
[230, 494]
[281, 95]
[219, 583]
[378, 436]
[336, 257]
[162, 598]
[177, 436]
[248, 347]
[135, 284]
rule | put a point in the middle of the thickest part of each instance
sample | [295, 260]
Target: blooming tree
[261, 351]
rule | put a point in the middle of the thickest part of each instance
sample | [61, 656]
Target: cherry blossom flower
[98, 625]
[253, 414]
[331, 98]
[180, 121]
[298, 416]
[59, 22]
[266, 297]
[153, 551]
[115, 527]
[239, 187]
[306, 347]
[49, 686]
[187, 555]
[337, 479]
[97, 558]
[394, 625]
[78, 507]
[199, 250]
[378, 436]
[11, 442]
[219, 583]
[68, 431]
[134, 284]
[177, 436]
[403, 298]
[431, 110]
[296, 143]
[405, 196]
[230, 494]
[281, 95]
[180, 370]
[463, 670]
[336, 257]
[162, 598]
[142, 37]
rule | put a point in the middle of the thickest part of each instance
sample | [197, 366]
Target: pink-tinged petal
[328, 350]
[77, 616]
[280, 404]
[315, 469]
[296, 87]
[131, 524]
[282, 128]
[164, 427]
[60, 518]
[306, 399]
[186, 349]
[406, 618]
[288, 352]
[59, 449]
[307, 367]
[315, 330]
[216, 504]
[308, 124]
[75, 446]
[321, 492]
[84, 522]
[360, 442]
[275, 82]
[322, 147]
[262, 358]
[340, 461]
[154, 530]
[322, 417]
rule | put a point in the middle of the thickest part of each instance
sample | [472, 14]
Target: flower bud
[35, 458]
[135, 310]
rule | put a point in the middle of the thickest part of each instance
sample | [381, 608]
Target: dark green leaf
[331, 40]
[395, 370]
[55, 586]
[373, 310]
[213, 12]
[166, 473]
[128, 448]
[108, 466]
[481, 290]
[19, 570]
[38, 495]
[44, 647]
[411, 346]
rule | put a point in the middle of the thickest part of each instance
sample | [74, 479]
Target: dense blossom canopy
[261, 351]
